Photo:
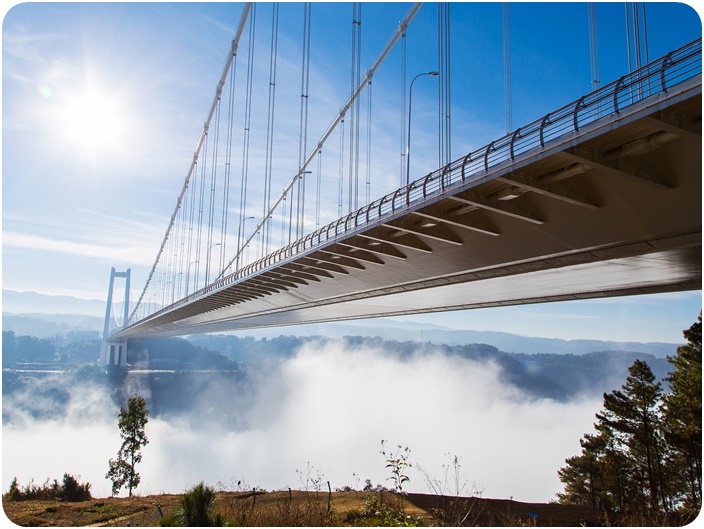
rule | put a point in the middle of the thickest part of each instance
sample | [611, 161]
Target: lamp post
[240, 229]
[165, 294]
[207, 267]
[188, 276]
[173, 288]
[408, 144]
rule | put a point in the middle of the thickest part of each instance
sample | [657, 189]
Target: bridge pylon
[113, 353]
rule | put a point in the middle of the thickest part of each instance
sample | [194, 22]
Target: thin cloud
[134, 230]
[24, 45]
[139, 255]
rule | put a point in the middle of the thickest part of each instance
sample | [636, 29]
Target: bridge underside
[614, 210]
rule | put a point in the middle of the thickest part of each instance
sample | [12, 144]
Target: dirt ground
[294, 508]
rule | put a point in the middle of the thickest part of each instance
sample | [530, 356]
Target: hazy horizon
[631, 319]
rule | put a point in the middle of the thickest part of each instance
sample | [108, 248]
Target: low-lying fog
[323, 411]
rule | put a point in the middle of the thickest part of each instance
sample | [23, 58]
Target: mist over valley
[230, 409]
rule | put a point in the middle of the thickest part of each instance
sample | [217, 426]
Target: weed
[397, 462]
[454, 507]
[375, 514]
[313, 478]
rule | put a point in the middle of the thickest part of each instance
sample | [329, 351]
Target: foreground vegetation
[70, 489]
[303, 508]
[642, 466]
[645, 457]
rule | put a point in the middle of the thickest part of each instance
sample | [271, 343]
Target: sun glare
[93, 122]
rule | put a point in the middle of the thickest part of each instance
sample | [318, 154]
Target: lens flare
[46, 91]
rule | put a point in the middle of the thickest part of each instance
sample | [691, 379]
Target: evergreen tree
[634, 416]
[131, 422]
[683, 419]
[646, 455]
[583, 474]
[601, 476]
[621, 466]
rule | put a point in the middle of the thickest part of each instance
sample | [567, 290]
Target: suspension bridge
[599, 197]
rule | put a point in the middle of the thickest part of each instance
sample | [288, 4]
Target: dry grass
[295, 508]
[139, 511]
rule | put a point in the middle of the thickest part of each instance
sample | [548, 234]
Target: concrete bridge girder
[611, 211]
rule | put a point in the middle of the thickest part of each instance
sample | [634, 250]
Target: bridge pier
[113, 353]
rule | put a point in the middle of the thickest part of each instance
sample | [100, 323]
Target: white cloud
[25, 45]
[137, 254]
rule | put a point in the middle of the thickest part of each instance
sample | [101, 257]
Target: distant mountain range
[46, 316]
[16, 302]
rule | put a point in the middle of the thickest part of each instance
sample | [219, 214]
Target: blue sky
[103, 104]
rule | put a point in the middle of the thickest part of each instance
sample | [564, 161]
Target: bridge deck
[613, 209]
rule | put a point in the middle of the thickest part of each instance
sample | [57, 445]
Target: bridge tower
[113, 353]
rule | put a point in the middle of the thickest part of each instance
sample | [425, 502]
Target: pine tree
[634, 416]
[601, 475]
[582, 475]
[646, 455]
[131, 422]
[683, 419]
[621, 466]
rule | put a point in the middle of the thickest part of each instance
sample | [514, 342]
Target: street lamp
[207, 266]
[188, 276]
[173, 288]
[240, 228]
[408, 144]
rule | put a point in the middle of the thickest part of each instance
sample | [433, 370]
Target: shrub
[71, 490]
[196, 509]
[14, 493]
[172, 519]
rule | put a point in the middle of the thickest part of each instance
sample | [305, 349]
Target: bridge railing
[655, 78]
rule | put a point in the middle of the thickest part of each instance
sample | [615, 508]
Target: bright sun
[94, 123]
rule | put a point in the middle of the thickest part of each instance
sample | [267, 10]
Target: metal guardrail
[652, 79]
